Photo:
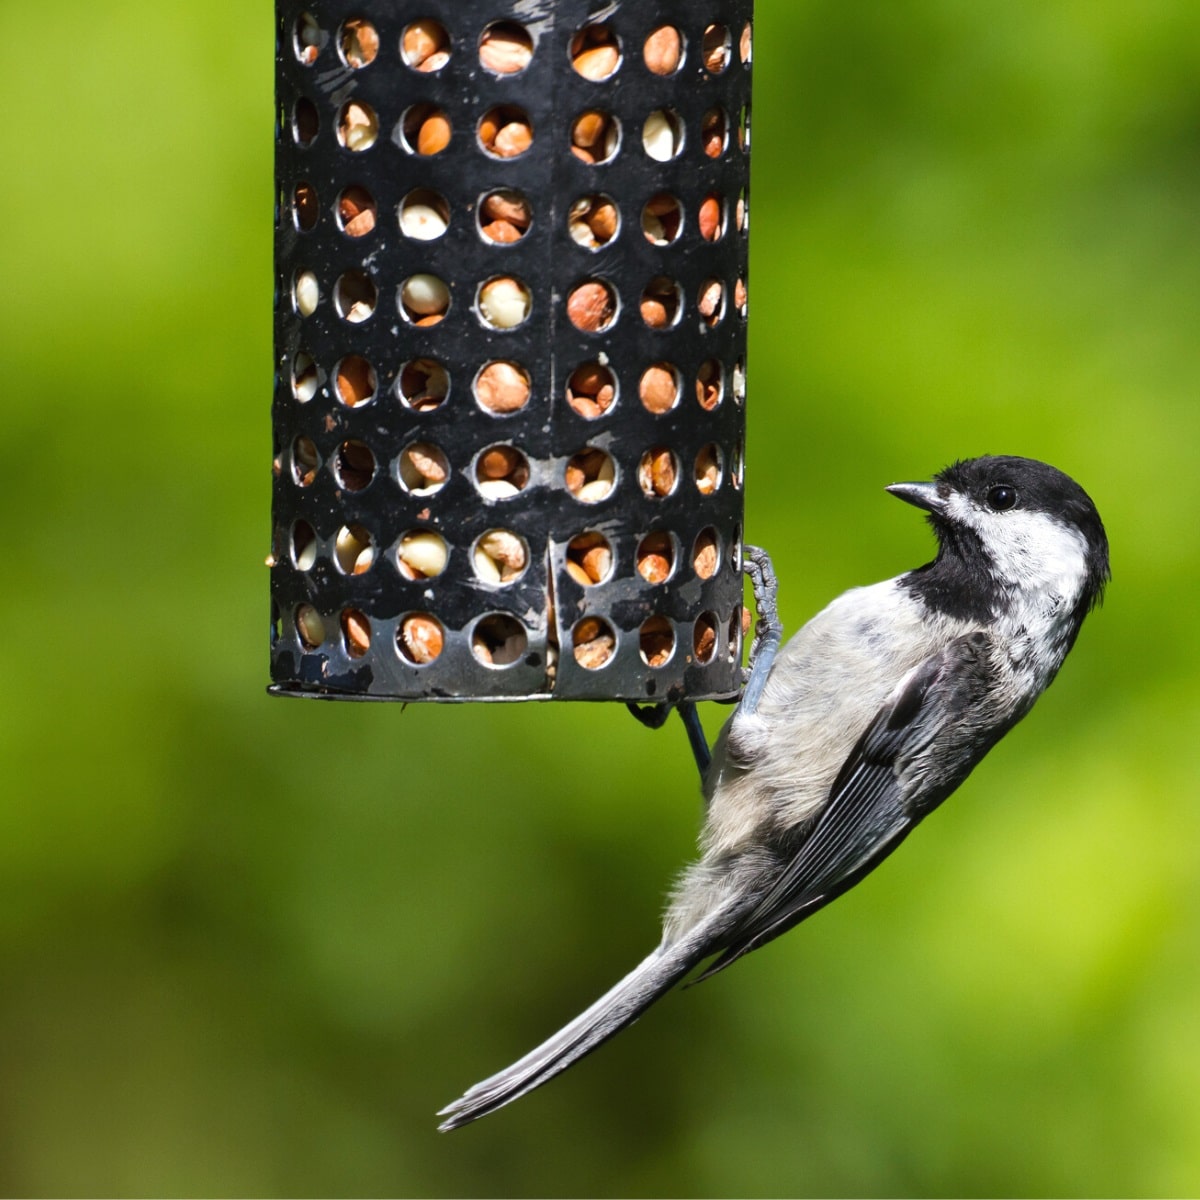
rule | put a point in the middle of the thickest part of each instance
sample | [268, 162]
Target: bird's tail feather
[617, 1008]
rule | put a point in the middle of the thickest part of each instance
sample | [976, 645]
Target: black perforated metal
[351, 649]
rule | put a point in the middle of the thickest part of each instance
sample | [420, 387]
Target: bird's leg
[768, 631]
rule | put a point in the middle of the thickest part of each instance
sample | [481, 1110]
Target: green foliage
[251, 945]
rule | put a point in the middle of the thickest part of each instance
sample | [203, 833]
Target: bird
[857, 728]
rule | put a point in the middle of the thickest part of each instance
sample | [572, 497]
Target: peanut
[350, 547]
[421, 638]
[356, 209]
[504, 302]
[657, 472]
[593, 643]
[712, 301]
[498, 463]
[425, 296]
[506, 206]
[656, 641]
[357, 630]
[658, 389]
[423, 468]
[512, 139]
[708, 470]
[715, 49]
[704, 554]
[307, 294]
[590, 390]
[505, 48]
[597, 62]
[662, 50]
[744, 44]
[502, 387]
[433, 136]
[505, 553]
[422, 221]
[660, 135]
[705, 639]
[421, 41]
[309, 626]
[712, 133]
[502, 231]
[709, 219]
[358, 127]
[591, 306]
[355, 380]
[422, 555]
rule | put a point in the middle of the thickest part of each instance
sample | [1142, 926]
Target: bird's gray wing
[873, 804]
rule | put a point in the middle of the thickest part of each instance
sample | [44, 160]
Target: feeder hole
[305, 121]
[356, 210]
[656, 641]
[425, 130]
[710, 385]
[501, 472]
[595, 52]
[593, 643]
[419, 639]
[305, 377]
[424, 299]
[425, 45]
[593, 221]
[305, 461]
[498, 640]
[504, 216]
[658, 388]
[589, 558]
[354, 550]
[354, 465]
[710, 218]
[359, 43]
[309, 626]
[590, 475]
[711, 302]
[662, 51]
[355, 296]
[502, 387]
[304, 546]
[662, 135]
[656, 557]
[358, 126]
[422, 554]
[355, 380]
[715, 49]
[423, 384]
[662, 219]
[595, 137]
[505, 48]
[745, 44]
[704, 637]
[706, 553]
[591, 390]
[707, 471]
[503, 302]
[500, 556]
[661, 303]
[424, 215]
[592, 306]
[505, 132]
[658, 472]
[306, 294]
[306, 39]
[305, 210]
[356, 632]
[423, 469]
[714, 132]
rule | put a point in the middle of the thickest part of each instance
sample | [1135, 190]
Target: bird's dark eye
[1001, 498]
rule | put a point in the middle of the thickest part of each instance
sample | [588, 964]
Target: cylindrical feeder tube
[510, 342]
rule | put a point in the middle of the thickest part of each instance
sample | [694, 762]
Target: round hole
[419, 638]
[590, 475]
[591, 390]
[708, 468]
[306, 379]
[306, 39]
[502, 387]
[358, 126]
[711, 302]
[661, 303]
[356, 210]
[658, 472]
[359, 43]
[354, 550]
[505, 132]
[710, 385]
[743, 134]
[593, 221]
[662, 51]
[593, 643]
[422, 554]
[589, 559]
[737, 467]
[662, 134]
[423, 384]
[504, 216]
[309, 626]
[659, 387]
[424, 299]
[306, 293]
[305, 208]
[505, 48]
[743, 212]
[501, 472]
[715, 48]
[305, 121]
[656, 641]
[425, 45]
[424, 215]
[503, 302]
[595, 52]
[499, 640]
[595, 136]
[425, 130]
[714, 132]
[355, 380]
[739, 381]
[592, 306]
[736, 632]
[656, 557]
[740, 298]
[662, 219]
[355, 296]
[500, 556]
[356, 632]
[711, 218]
[304, 546]
[305, 461]
[354, 465]
[423, 469]
[706, 553]
[704, 637]
[745, 44]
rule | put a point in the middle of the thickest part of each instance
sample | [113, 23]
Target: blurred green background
[249, 946]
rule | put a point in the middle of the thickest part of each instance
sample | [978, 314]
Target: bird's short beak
[921, 495]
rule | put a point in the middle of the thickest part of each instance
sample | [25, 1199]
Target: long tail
[620, 1006]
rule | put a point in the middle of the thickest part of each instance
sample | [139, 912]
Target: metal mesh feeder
[510, 334]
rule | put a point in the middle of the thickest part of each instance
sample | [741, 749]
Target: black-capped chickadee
[860, 726]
